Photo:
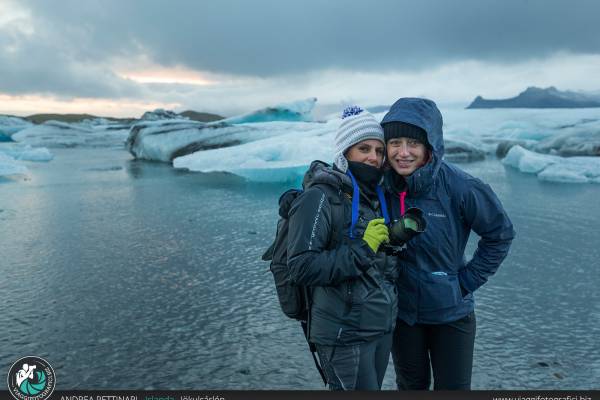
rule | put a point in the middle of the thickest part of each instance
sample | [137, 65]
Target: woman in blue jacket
[435, 331]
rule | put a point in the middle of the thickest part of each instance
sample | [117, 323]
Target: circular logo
[31, 378]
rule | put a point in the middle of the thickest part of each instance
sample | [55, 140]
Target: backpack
[295, 299]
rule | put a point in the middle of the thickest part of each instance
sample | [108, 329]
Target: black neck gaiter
[367, 177]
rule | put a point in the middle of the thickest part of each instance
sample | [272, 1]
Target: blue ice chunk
[296, 111]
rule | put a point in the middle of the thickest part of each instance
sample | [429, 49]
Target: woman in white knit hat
[337, 227]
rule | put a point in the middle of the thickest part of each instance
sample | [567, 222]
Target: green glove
[376, 233]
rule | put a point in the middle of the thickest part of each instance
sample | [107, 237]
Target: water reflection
[151, 266]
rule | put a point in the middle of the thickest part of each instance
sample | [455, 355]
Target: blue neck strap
[384, 210]
[356, 200]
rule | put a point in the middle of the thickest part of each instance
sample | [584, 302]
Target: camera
[404, 229]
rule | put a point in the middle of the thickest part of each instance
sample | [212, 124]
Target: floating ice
[554, 131]
[84, 134]
[11, 125]
[554, 168]
[158, 140]
[282, 158]
[295, 111]
[165, 140]
[462, 151]
[8, 166]
[281, 146]
[470, 134]
[580, 140]
[19, 151]
[160, 114]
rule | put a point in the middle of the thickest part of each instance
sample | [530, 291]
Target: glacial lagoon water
[131, 274]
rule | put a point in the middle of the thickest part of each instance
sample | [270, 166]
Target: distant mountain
[534, 97]
[41, 118]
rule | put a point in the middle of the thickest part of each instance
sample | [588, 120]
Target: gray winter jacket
[353, 289]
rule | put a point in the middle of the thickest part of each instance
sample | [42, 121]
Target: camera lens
[410, 223]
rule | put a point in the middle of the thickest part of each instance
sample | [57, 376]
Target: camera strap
[356, 200]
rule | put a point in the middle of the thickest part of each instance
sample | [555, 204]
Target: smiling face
[405, 155]
[368, 151]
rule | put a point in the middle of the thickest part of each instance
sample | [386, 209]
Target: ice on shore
[554, 168]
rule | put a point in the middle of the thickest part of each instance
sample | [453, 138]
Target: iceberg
[300, 110]
[11, 125]
[167, 139]
[277, 143]
[554, 168]
[567, 132]
[8, 166]
[160, 114]
[89, 133]
[462, 151]
[18, 151]
[158, 140]
[581, 140]
[281, 158]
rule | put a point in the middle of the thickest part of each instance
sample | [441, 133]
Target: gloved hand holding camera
[376, 234]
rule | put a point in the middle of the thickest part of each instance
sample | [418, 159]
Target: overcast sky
[123, 57]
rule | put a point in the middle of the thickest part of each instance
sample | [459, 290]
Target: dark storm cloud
[266, 38]
[49, 61]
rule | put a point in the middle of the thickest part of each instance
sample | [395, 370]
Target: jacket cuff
[364, 253]
[466, 281]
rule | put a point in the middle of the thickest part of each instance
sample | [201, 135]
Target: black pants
[445, 349]
[358, 367]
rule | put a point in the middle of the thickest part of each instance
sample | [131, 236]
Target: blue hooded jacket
[436, 283]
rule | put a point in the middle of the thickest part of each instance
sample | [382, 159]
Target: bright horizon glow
[23, 106]
[177, 75]
[180, 88]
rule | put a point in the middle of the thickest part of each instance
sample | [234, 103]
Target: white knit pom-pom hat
[357, 125]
